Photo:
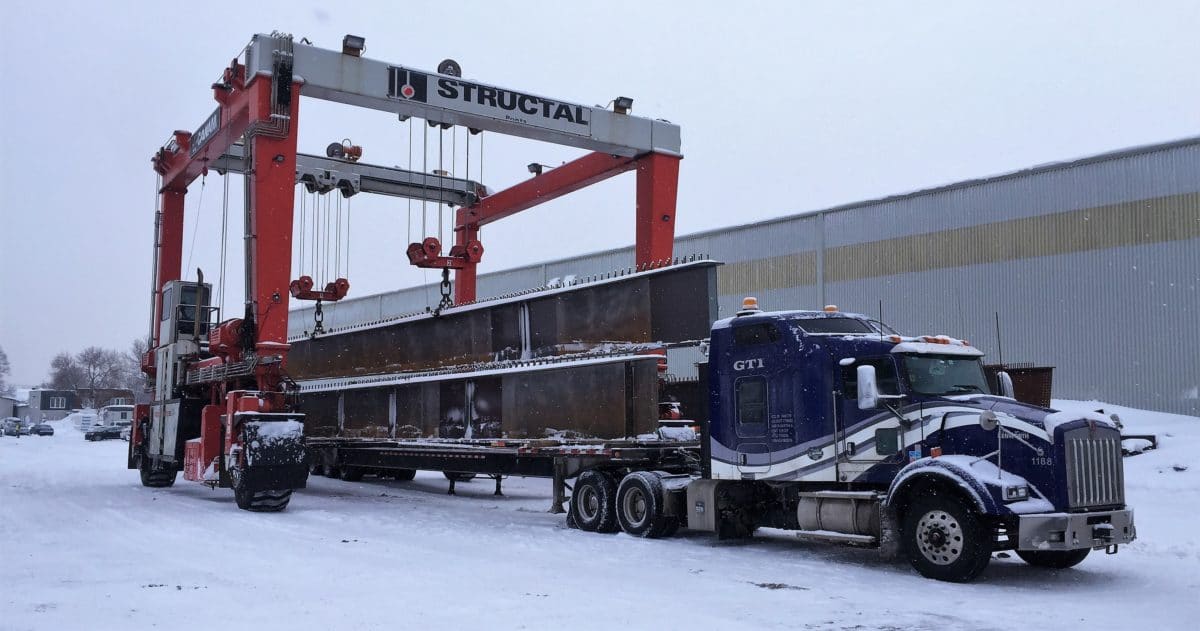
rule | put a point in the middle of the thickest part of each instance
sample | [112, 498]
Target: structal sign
[457, 95]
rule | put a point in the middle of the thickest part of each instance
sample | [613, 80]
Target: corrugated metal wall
[1093, 267]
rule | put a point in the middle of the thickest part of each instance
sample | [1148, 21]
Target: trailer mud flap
[275, 454]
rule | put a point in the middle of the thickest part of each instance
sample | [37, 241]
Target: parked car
[102, 432]
[42, 429]
[14, 426]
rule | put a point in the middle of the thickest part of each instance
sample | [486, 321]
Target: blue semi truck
[832, 425]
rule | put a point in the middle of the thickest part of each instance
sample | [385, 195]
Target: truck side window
[885, 376]
[755, 334]
[751, 400]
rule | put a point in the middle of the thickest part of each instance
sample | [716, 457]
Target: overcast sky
[784, 108]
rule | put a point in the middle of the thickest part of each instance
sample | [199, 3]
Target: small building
[8, 406]
[99, 397]
[50, 405]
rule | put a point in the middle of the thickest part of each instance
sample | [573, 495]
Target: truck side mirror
[868, 390]
[1004, 381]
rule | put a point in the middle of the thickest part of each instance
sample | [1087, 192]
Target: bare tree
[101, 367]
[131, 366]
[65, 373]
[4, 370]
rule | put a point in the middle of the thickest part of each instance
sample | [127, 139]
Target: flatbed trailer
[460, 459]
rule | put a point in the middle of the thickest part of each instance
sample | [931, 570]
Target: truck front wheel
[1054, 559]
[945, 540]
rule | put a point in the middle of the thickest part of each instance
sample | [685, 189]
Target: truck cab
[833, 424]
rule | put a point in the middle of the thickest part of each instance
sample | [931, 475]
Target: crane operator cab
[183, 326]
[186, 313]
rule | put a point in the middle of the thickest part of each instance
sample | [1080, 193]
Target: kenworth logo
[457, 95]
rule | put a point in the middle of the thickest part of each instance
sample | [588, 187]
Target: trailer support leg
[560, 496]
[451, 491]
[498, 478]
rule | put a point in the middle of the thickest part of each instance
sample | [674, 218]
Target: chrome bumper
[1072, 531]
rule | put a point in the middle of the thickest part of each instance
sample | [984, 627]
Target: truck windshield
[942, 374]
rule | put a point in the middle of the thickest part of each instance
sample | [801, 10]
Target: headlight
[1016, 493]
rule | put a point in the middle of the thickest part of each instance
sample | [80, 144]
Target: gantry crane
[220, 412]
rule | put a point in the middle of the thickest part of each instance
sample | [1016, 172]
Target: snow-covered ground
[84, 546]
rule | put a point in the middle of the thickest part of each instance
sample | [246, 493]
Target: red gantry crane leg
[657, 185]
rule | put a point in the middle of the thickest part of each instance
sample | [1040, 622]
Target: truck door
[865, 437]
[757, 394]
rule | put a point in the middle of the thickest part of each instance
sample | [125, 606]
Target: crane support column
[272, 184]
[170, 254]
[657, 186]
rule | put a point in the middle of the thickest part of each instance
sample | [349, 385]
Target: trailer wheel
[330, 471]
[945, 540]
[404, 475]
[352, 474]
[1054, 559]
[594, 502]
[457, 476]
[155, 477]
[640, 506]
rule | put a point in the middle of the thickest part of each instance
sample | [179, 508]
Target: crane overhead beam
[325, 174]
[439, 98]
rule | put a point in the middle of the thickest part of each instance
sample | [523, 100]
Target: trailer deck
[559, 460]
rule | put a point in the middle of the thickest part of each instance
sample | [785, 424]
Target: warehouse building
[1091, 266]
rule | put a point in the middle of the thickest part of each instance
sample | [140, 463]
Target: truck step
[837, 537]
[841, 495]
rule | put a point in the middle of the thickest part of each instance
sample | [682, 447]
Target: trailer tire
[945, 539]
[594, 502]
[352, 474]
[330, 471]
[404, 475]
[1054, 559]
[640, 506]
[458, 476]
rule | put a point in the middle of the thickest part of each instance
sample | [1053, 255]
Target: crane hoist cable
[224, 240]
[424, 182]
[196, 224]
[337, 240]
[440, 170]
[410, 149]
[302, 231]
[325, 248]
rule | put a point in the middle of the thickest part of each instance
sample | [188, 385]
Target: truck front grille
[1095, 473]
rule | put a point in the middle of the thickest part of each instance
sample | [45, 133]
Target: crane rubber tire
[155, 478]
[271, 501]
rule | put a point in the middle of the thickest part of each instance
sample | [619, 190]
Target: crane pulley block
[428, 254]
[302, 289]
